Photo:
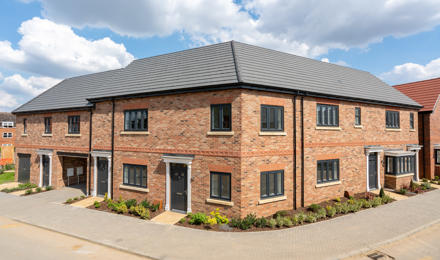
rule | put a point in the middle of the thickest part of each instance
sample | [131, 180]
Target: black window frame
[135, 166]
[411, 121]
[321, 109]
[266, 109]
[266, 176]
[143, 121]
[392, 119]
[48, 125]
[221, 119]
[320, 173]
[400, 164]
[24, 125]
[437, 156]
[221, 196]
[357, 116]
[74, 124]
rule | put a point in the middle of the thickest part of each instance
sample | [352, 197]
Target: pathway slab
[9, 185]
[87, 202]
[393, 195]
[168, 217]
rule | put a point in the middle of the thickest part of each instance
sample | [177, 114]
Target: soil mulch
[107, 209]
[305, 210]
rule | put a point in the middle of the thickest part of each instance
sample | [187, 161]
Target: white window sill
[135, 133]
[220, 202]
[412, 130]
[73, 135]
[329, 128]
[46, 135]
[270, 200]
[358, 126]
[127, 187]
[273, 133]
[24, 135]
[327, 184]
[219, 133]
[393, 129]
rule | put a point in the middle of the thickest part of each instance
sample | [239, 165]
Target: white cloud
[15, 89]
[410, 72]
[307, 28]
[54, 50]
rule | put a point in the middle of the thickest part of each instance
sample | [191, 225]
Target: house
[427, 93]
[230, 125]
[7, 136]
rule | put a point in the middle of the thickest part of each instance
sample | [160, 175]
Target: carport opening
[75, 170]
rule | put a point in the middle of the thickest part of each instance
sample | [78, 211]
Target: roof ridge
[236, 65]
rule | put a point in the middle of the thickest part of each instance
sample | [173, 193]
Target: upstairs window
[135, 175]
[272, 184]
[136, 120]
[357, 116]
[220, 186]
[74, 124]
[437, 156]
[47, 125]
[221, 117]
[272, 118]
[397, 165]
[327, 115]
[327, 171]
[411, 120]
[7, 124]
[392, 119]
[25, 126]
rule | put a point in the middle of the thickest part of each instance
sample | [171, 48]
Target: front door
[178, 176]
[46, 167]
[102, 176]
[24, 168]
[372, 171]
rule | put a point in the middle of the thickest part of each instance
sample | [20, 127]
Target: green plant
[381, 193]
[122, 208]
[140, 211]
[28, 192]
[272, 223]
[298, 218]
[211, 221]
[96, 204]
[424, 180]
[288, 222]
[386, 199]
[69, 200]
[182, 220]
[280, 221]
[355, 206]
[338, 207]
[106, 197]
[338, 199]
[437, 178]
[248, 221]
[235, 222]
[76, 198]
[321, 214]
[330, 211]
[366, 203]
[261, 222]
[38, 189]
[130, 203]
[403, 191]
[282, 213]
[376, 202]
[345, 208]
[315, 207]
[197, 218]
[427, 185]
[219, 218]
[48, 188]
[311, 218]
[82, 197]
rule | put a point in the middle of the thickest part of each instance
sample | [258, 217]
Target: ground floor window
[437, 156]
[135, 175]
[400, 164]
[272, 184]
[220, 185]
[328, 171]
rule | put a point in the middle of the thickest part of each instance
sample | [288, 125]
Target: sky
[45, 41]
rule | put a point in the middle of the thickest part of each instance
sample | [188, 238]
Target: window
[397, 165]
[135, 175]
[220, 186]
[25, 126]
[328, 171]
[136, 120]
[392, 119]
[47, 125]
[7, 135]
[74, 124]
[357, 116]
[272, 184]
[327, 115]
[7, 124]
[221, 117]
[437, 156]
[272, 118]
[411, 120]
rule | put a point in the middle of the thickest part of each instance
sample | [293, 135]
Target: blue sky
[44, 41]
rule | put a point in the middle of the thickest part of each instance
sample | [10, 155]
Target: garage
[24, 168]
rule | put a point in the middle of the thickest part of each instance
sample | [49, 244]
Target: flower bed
[414, 188]
[74, 199]
[21, 186]
[37, 190]
[143, 209]
[285, 218]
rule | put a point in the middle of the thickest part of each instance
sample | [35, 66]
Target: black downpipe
[113, 143]
[424, 146]
[302, 151]
[90, 150]
[294, 153]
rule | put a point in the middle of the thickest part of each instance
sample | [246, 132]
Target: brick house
[427, 93]
[230, 125]
[7, 135]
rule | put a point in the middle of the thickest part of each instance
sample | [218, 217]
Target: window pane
[225, 189]
[264, 118]
[263, 185]
[272, 118]
[324, 171]
[131, 175]
[319, 172]
[126, 175]
[127, 120]
[318, 115]
[215, 182]
[138, 176]
[335, 170]
[139, 120]
[279, 183]
[216, 117]
[226, 116]
[145, 118]
[271, 184]
[144, 177]
[279, 119]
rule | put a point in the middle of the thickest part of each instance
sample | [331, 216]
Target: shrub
[272, 223]
[76, 198]
[130, 203]
[366, 203]
[386, 199]
[28, 192]
[299, 218]
[381, 193]
[97, 204]
[345, 208]
[424, 180]
[322, 213]
[48, 188]
[140, 211]
[182, 220]
[427, 185]
[235, 222]
[402, 191]
[281, 213]
[280, 221]
[437, 178]
[82, 197]
[248, 221]
[122, 208]
[311, 218]
[261, 222]
[287, 222]
[212, 221]
[314, 207]
[376, 202]
[69, 200]
[330, 211]
[355, 206]
[219, 218]
[197, 218]
[106, 197]
[38, 189]
[338, 207]
[338, 199]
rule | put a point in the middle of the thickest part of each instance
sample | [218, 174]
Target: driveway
[335, 238]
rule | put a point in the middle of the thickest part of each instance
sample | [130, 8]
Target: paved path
[331, 239]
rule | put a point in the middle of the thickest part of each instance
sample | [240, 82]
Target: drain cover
[377, 255]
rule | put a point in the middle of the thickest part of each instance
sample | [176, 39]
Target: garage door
[24, 167]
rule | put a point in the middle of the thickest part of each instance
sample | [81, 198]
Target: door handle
[179, 193]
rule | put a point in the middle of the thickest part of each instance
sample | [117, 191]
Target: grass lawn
[6, 177]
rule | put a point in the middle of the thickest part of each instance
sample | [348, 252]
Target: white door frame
[182, 159]
[368, 151]
[48, 153]
[96, 155]
[416, 149]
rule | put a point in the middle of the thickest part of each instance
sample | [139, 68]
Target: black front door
[46, 167]
[102, 176]
[178, 176]
[372, 171]
[24, 168]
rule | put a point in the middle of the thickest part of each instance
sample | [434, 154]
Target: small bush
[330, 211]
[48, 188]
[212, 221]
[381, 193]
[122, 208]
[345, 208]
[235, 222]
[288, 222]
[281, 213]
[38, 189]
[366, 204]
[219, 218]
[437, 178]
[76, 198]
[321, 214]
[403, 191]
[182, 220]
[28, 192]
[248, 221]
[299, 218]
[97, 204]
[69, 200]
[197, 218]
[355, 206]
[427, 185]
[272, 223]
[311, 218]
[140, 211]
[386, 199]
[338, 199]
[424, 180]
[106, 197]
[338, 207]
[82, 197]
[130, 203]
[280, 221]
[261, 222]
[314, 207]
[376, 202]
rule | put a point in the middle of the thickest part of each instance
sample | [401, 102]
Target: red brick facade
[180, 124]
